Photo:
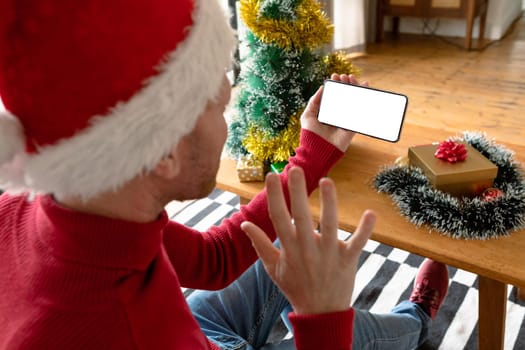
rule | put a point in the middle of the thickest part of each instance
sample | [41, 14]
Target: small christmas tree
[283, 68]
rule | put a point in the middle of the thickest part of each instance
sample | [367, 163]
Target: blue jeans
[242, 315]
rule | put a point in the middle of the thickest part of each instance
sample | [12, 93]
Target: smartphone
[364, 110]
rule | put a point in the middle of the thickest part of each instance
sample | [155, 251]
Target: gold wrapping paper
[250, 170]
[468, 178]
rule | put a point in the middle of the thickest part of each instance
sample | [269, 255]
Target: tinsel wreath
[467, 218]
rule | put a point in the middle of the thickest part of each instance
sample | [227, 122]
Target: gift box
[467, 178]
[250, 169]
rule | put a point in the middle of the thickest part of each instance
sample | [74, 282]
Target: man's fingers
[346, 78]
[267, 252]
[362, 233]
[313, 104]
[299, 205]
[352, 79]
[316, 98]
[328, 219]
[278, 210]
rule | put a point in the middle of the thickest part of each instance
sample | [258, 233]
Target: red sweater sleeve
[213, 259]
[324, 331]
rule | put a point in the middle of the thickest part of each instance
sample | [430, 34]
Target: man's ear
[168, 167]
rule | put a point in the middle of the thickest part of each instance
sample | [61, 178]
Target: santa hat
[97, 92]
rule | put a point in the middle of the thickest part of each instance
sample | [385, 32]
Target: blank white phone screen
[363, 110]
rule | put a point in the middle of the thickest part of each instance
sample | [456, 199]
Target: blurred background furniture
[465, 9]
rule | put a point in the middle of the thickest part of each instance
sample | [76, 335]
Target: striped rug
[384, 278]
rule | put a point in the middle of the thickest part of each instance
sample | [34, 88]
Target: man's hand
[315, 271]
[340, 138]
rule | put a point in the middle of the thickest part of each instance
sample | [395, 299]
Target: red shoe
[430, 287]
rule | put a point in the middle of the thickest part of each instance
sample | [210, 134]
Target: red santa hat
[97, 92]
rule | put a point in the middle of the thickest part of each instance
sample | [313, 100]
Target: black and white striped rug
[385, 277]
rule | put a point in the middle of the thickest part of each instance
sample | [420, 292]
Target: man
[114, 108]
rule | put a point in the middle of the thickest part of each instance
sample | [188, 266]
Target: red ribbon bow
[451, 151]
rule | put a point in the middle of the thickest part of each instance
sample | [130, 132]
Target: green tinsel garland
[467, 218]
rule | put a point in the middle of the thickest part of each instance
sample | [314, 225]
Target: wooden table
[497, 262]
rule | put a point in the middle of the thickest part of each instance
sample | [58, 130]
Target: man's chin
[198, 191]
[206, 189]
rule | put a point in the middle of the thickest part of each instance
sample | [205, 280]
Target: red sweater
[71, 280]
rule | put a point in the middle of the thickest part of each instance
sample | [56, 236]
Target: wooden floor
[451, 87]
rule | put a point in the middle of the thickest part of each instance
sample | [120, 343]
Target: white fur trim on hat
[12, 139]
[136, 134]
